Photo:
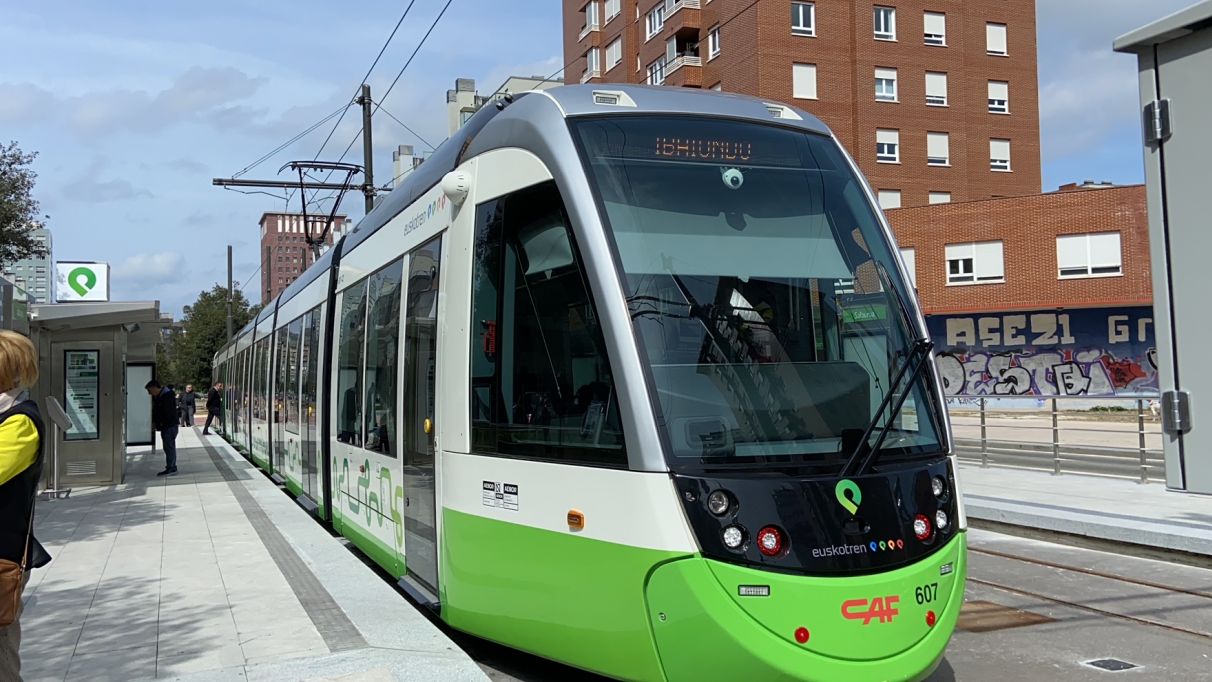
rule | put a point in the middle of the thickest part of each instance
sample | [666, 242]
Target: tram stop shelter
[90, 355]
[1174, 58]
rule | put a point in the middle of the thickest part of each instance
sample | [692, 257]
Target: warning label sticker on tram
[500, 495]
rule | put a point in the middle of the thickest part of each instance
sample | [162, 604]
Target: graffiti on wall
[1092, 352]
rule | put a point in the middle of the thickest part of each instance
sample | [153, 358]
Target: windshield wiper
[861, 459]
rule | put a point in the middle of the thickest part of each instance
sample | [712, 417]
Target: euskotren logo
[82, 280]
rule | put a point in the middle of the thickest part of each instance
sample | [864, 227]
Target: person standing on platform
[164, 420]
[189, 405]
[214, 406]
[21, 434]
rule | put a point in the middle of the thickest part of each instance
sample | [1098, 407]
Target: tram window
[294, 333]
[541, 382]
[282, 377]
[349, 364]
[382, 357]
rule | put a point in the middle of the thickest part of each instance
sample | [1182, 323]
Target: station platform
[1103, 508]
[214, 574]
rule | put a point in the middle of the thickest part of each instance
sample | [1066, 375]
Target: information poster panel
[83, 393]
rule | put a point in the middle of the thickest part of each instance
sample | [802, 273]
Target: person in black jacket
[214, 406]
[164, 420]
[21, 437]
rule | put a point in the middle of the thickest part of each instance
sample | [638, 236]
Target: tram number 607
[926, 593]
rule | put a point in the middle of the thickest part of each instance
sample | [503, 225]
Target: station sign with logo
[81, 281]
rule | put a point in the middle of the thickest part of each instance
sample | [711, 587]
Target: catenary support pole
[368, 175]
[230, 293]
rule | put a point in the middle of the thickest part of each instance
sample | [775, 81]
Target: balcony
[685, 70]
[592, 27]
[684, 16]
[590, 74]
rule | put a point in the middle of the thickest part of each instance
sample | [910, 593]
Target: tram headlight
[938, 486]
[734, 537]
[941, 520]
[921, 527]
[719, 502]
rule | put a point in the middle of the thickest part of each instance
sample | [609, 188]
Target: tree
[191, 350]
[18, 208]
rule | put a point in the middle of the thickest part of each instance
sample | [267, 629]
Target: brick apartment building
[284, 250]
[1044, 294]
[936, 100]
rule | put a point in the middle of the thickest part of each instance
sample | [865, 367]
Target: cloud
[200, 219]
[206, 95]
[150, 269]
[95, 191]
[188, 166]
[1092, 96]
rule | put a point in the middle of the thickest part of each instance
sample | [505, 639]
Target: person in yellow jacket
[21, 437]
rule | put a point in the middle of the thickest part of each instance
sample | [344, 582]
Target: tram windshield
[762, 290]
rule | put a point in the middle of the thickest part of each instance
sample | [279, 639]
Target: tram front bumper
[893, 625]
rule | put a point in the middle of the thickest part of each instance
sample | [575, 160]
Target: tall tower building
[936, 100]
[284, 250]
[36, 275]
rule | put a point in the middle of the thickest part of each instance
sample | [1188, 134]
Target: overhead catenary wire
[405, 126]
[289, 142]
[396, 80]
[373, 64]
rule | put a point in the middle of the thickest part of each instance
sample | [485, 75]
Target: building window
[1089, 255]
[885, 23]
[889, 198]
[803, 19]
[655, 21]
[614, 53]
[803, 81]
[938, 149]
[999, 97]
[936, 89]
[713, 42]
[885, 85]
[888, 146]
[593, 66]
[940, 197]
[910, 257]
[613, 8]
[656, 71]
[999, 155]
[935, 28]
[718, 86]
[976, 263]
[995, 39]
[591, 15]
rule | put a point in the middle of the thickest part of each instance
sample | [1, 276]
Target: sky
[133, 107]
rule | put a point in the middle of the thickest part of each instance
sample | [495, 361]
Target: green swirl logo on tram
[848, 495]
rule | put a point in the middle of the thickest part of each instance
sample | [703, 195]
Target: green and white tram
[632, 379]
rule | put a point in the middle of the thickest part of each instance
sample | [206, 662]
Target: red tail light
[802, 635]
[931, 619]
[770, 541]
[922, 528]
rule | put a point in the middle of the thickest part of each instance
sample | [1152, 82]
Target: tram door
[420, 363]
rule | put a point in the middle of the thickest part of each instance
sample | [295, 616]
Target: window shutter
[888, 136]
[995, 38]
[803, 77]
[1105, 250]
[999, 149]
[987, 261]
[935, 23]
[938, 145]
[1071, 251]
[936, 84]
[999, 90]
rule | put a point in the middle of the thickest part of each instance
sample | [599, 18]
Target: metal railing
[1106, 436]
[682, 60]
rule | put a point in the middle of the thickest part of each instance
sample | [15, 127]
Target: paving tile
[131, 664]
[216, 658]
